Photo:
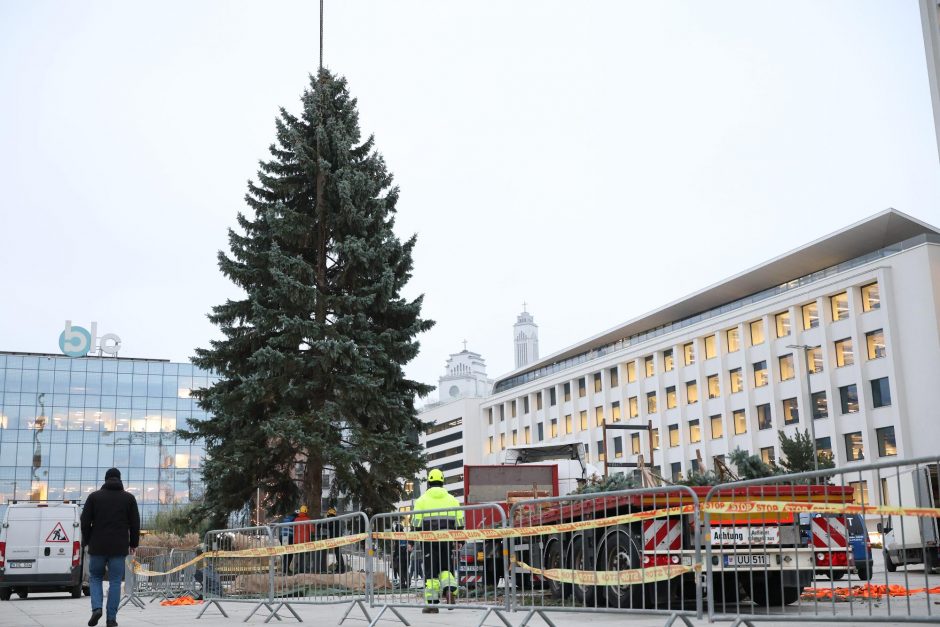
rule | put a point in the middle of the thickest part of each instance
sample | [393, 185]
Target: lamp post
[809, 399]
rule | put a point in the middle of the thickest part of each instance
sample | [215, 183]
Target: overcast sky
[593, 159]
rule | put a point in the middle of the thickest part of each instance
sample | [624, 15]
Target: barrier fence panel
[632, 551]
[447, 559]
[329, 563]
[797, 547]
[237, 567]
[138, 586]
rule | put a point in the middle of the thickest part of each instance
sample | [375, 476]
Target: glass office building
[65, 421]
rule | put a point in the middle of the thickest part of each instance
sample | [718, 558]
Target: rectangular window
[538, 401]
[673, 436]
[650, 366]
[815, 358]
[583, 416]
[820, 405]
[502, 413]
[810, 315]
[554, 427]
[740, 422]
[656, 439]
[631, 372]
[844, 354]
[514, 437]
[757, 332]
[668, 362]
[540, 431]
[635, 443]
[849, 397]
[489, 415]
[676, 470]
[854, 449]
[783, 323]
[764, 420]
[582, 387]
[671, 397]
[599, 416]
[552, 397]
[718, 428]
[615, 411]
[502, 441]
[525, 404]
[688, 354]
[528, 435]
[598, 384]
[566, 391]
[840, 306]
[791, 412]
[786, 367]
[760, 374]
[651, 402]
[737, 380]
[733, 337]
[871, 297]
[691, 392]
[695, 432]
[714, 387]
[711, 348]
[859, 492]
[489, 445]
[824, 447]
[601, 453]
[614, 377]
[767, 455]
[633, 406]
[569, 428]
[876, 344]
[618, 447]
[512, 409]
[880, 392]
[887, 447]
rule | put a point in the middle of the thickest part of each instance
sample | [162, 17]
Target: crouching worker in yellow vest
[438, 556]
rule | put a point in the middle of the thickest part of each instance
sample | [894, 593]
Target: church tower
[526, 333]
[465, 376]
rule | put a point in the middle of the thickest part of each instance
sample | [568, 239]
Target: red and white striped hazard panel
[829, 532]
[662, 534]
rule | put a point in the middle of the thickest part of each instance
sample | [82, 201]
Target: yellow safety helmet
[331, 511]
[436, 476]
[303, 509]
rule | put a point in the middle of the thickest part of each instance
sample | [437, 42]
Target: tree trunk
[313, 486]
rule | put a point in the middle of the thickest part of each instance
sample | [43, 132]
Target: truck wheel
[835, 575]
[864, 572]
[552, 559]
[620, 550]
[769, 593]
[582, 558]
[889, 565]
[22, 592]
[5, 594]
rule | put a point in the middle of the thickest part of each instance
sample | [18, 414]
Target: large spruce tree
[312, 356]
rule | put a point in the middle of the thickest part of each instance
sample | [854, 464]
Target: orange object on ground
[866, 591]
[183, 600]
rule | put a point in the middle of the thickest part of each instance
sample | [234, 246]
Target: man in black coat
[111, 531]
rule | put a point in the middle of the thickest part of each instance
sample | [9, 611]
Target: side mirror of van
[880, 527]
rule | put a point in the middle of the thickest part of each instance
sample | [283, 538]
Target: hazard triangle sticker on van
[57, 534]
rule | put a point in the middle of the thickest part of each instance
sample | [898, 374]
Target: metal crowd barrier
[632, 552]
[331, 575]
[772, 561]
[410, 569]
[137, 587]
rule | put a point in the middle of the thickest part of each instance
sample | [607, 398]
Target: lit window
[615, 411]
[733, 338]
[845, 356]
[655, 433]
[848, 394]
[514, 437]
[583, 416]
[650, 366]
[786, 367]
[760, 374]
[528, 435]
[740, 422]
[718, 429]
[502, 441]
[783, 323]
[824, 448]
[791, 412]
[876, 344]
[582, 388]
[691, 392]
[695, 432]
[538, 401]
[601, 452]
[757, 332]
[810, 315]
[673, 436]
[599, 416]
[854, 449]
[635, 443]
[871, 297]
[618, 447]
[634, 406]
[554, 427]
[820, 405]
[671, 397]
[714, 386]
[668, 363]
[737, 380]
[651, 402]
[880, 392]
[489, 445]
[815, 358]
[887, 447]
[711, 349]
[767, 455]
[569, 428]
[688, 352]
[631, 372]
[764, 420]
[859, 492]
[566, 391]
[840, 306]
[614, 377]
[512, 409]
[598, 384]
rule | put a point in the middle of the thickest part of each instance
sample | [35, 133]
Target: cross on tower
[465, 345]
[524, 305]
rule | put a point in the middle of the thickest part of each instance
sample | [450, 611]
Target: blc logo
[77, 341]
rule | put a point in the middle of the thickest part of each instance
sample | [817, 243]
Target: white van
[41, 548]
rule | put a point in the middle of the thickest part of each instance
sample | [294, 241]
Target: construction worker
[303, 532]
[438, 556]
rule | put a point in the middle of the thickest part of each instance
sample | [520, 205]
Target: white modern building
[726, 367]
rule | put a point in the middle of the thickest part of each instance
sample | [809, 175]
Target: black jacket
[110, 520]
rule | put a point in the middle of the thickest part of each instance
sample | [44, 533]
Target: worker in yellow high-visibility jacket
[438, 556]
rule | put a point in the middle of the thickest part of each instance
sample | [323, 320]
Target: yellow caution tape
[611, 577]
[764, 507]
